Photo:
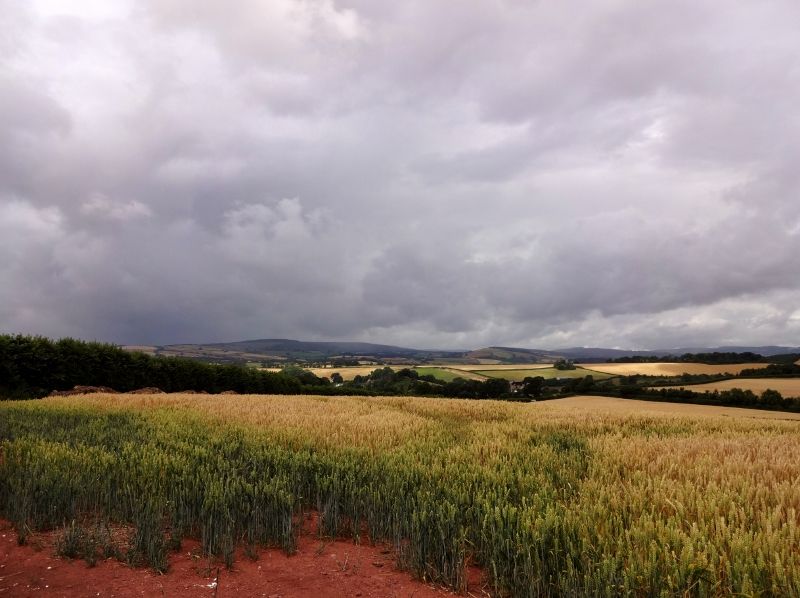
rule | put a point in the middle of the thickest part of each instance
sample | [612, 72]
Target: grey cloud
[552, 174]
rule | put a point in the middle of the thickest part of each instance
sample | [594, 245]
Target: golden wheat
[582, 496]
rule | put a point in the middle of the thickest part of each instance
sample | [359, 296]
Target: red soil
[321, 568]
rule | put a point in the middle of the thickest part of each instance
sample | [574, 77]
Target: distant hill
[604, 354]
[766, 351]
[277, 350]
[512, 355]
[281, 349]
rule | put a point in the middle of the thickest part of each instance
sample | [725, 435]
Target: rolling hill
[273, 351]
[276, 350]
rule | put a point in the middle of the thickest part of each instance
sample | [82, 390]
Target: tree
[532, 386]
[496, 387]
[771, 397]
[586, 383]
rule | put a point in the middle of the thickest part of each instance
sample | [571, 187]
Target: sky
[541, 173]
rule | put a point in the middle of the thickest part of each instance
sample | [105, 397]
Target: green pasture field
[446, 374]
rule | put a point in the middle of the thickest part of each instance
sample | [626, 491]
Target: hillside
[273, 351]
[496, 355]
[277, 350]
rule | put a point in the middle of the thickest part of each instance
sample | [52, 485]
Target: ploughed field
[581, 496]
[788, 387]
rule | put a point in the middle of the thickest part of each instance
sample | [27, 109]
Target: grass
[552, 499]
[438, 373]
[447, 374]
[473, 367]
[517, 375]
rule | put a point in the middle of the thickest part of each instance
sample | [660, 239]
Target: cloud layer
[622, 173]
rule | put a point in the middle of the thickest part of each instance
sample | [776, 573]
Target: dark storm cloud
[550, 173]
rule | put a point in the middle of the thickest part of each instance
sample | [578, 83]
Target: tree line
[34, 366]
[735, 397]
[711, 358]
[640, 387]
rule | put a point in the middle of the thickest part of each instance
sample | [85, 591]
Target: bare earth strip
[788, 387]
[616, 406]
[669, 369]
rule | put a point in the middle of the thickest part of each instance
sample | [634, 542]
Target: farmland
[627, 407]
[347, 373]
[450, 372]
[444, 373]
[582, 496]
[788, 387]
[669, 369]
[515, 366]
[517, 375]
[447, 374]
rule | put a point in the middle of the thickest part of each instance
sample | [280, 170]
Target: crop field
[788, 387]
[584, 496]
[448, 374]
[444, 373]
[615, 407]
[669, 369]
[507, 366]
[517, 375]
[148, 349]
[347, 373]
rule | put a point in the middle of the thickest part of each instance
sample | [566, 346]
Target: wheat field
[350, 372]
[573, 497]
[788, 387]
[347, 373]
[669, 369]
[613, 406]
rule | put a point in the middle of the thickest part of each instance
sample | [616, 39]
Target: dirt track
[325, 569]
